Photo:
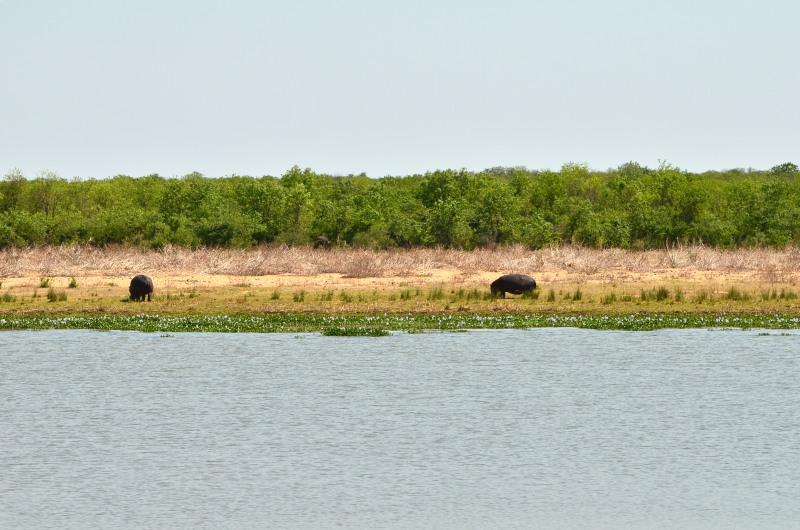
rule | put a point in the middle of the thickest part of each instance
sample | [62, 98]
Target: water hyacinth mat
[377, 325]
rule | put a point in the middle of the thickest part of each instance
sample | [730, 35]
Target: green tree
[787, 168]
[11, 188]
[449, 226]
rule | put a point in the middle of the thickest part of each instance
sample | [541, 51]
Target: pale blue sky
[99, 88]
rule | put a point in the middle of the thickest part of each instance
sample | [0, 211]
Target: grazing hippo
[513, 283]
[322, 242]
[141, 287]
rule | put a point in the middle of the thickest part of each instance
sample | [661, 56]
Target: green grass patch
[736, 295]
[531, 295]
[772, 294]
[8, 298]
[658, 294]
[475, 294]
[436, 294]
[702, 297]
[345, 297]
[54, 296]
[609, 299]
[787, 294]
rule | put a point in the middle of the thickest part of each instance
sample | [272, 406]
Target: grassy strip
[412, 323]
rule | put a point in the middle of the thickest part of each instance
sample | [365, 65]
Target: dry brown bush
[77, 260]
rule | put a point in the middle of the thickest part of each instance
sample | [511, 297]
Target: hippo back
[141, 287]
[513, 283]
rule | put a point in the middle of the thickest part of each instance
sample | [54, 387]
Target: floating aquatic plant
[292, 323]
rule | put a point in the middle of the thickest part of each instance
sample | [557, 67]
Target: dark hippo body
[513, 283]
[141, 287]
[322, 242]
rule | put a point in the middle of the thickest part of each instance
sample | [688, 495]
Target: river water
[545, 428]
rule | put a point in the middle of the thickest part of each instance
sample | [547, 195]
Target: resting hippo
[513, 283]
[141, 286]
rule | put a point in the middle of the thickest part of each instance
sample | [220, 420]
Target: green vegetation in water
[411, 323]
[354, 331]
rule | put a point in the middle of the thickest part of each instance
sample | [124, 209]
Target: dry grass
[776, 265]
[270, 279]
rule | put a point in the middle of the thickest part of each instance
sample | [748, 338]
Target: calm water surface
[547, 428]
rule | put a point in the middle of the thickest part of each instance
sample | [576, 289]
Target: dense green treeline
[630, 207]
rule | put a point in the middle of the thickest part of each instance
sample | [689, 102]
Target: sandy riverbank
[246, 279]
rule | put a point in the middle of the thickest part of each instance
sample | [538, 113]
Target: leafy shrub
[629, 207]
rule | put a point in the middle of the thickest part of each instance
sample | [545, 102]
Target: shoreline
[356, 283]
